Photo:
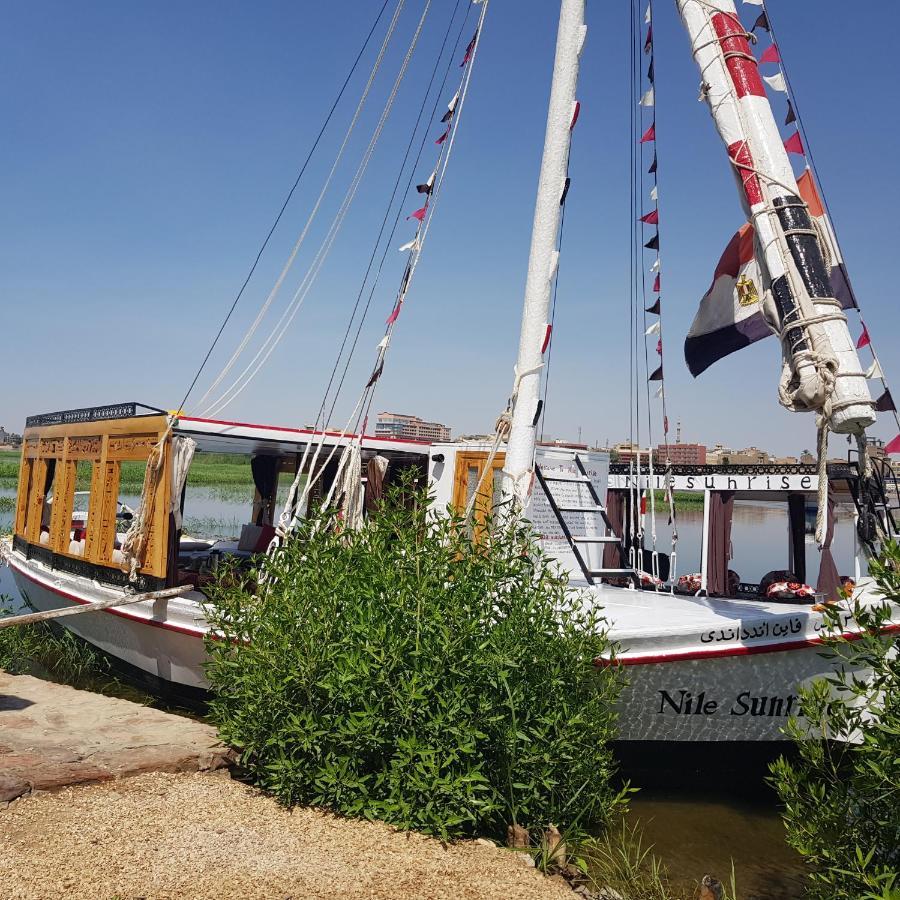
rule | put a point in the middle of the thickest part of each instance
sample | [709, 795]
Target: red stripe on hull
[741, 158]
[180, 629]
[647, 659]
[743, 68]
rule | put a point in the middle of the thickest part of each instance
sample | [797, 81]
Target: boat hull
[733, 694]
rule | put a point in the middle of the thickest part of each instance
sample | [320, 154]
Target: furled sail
[730, 315]
[821, 371]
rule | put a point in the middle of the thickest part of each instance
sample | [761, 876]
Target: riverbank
[202, 836]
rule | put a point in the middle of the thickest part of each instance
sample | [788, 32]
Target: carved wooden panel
[36, 501]
[63, 505]
[104, 504]
[52, 447]
[22, 495]
[132, 447]
[85, 448]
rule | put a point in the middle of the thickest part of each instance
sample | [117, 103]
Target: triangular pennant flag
[654, 193]
[655, 266]
[650, 72]
[576, 111]
[428, 186]
[376, 374]
[650, 218]
[655, 308]
[754, 2]
[647, 99]
[653, 243]
[406, 276]
[648, 15]
[770, 55]
[864, 339]
[793, 144]
[649, 135]
[419, 214]
[874, 370]
[443, 137]
[451, 108]
[659, 346]
[885, 403]
[761, 22]
[893, 446]
[649, 42]
[657, 375]
[791, 115]
[652, 168]
[408, 245]
[395, 312]
[565, 191]
[382, 344]
[776, 82]
[656, 283]
[653, 329]
[659, 393]
[469, 49]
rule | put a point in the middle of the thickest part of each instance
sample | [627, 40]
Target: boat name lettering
[775, 628]
[684, 703]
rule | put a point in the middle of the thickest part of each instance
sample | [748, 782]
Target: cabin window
[469, 477]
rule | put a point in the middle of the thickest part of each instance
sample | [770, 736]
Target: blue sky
[147, 147]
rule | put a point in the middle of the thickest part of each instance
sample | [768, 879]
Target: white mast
[543, 258]
[821, 369]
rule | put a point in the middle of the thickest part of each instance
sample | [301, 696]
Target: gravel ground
[202, 836]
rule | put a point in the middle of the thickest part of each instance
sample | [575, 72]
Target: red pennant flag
[576, 112]
[443, 137]
[418, 214]
[794, 145]
[771, 55]
[643, 503]
[396, 312]
[864, 339]
[893, 446]
[651, 218]
[649, 42]
[546, 342]
[659, 346]
[656, 283]
[469, 50]
[649, 134]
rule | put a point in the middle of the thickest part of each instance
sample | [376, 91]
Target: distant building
[8, 438]
[682, 454]
[410, 428]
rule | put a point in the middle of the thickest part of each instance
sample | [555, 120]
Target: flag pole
[543, 256]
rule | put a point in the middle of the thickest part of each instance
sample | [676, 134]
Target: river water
[694, 830]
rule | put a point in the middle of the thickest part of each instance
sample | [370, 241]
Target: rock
[525, 859]
[554, 846]
[711, 889]
[11, 787]
[485, 843]
[517, 837]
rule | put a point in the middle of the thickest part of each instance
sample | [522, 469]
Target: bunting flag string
[864, 339]
[648, 16]
[647, 99]
[443, 137]
[648, 43]
[409, 245]
[418, 214]
[653, 329]
[793, 144]
[653, 243]
[885, 403]
[654, 193]
[469, 49]
[650, 218]
[791, 116]
[761, 22]
[655, 266]
[874, 371]
[428, 186]
[657, 375]
[652, 169]
[451, 108]
[650, 135]
[656, 284]
[776, 82]
[770, 55]
[654, 309]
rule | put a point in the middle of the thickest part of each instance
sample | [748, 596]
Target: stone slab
[52, 736]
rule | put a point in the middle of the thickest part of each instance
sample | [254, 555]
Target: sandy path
[202, 836]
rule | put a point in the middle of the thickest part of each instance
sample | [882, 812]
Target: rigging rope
[287, 317]
[284, 205]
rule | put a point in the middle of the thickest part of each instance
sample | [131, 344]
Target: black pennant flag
[565, 191]
[652, 168]
[885, 403]
[376, 374]
[791, 115]
[654, 309]
[650, 72]
[653, 243]
[761, 22]
[427, 187]
[657, 375]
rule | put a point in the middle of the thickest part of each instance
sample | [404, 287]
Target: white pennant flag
[653, 329]
[654, 194]
[659, 391]
[655, 266]
[875, 371]
[754, 2]
[382, 344]
[647, 14]
[776, 82]
[647, 99]
[408, 246]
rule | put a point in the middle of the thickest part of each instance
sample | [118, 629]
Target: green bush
[407, 674]
[842, 798]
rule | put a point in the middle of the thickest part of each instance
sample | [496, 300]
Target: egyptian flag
[730, 315]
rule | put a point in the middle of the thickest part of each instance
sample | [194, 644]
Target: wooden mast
[543, 256]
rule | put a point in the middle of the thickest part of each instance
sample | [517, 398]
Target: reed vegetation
[407, 673]
[842, 795]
